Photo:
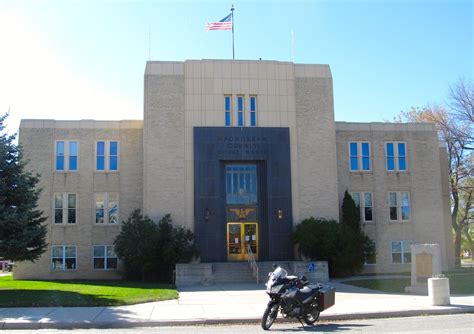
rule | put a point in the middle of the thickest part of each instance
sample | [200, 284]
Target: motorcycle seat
[307, 293]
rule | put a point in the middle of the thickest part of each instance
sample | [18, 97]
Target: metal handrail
[252, 262]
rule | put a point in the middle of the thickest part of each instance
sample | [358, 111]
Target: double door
[241, 237]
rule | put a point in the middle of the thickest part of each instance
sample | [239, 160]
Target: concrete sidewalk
[232, 303]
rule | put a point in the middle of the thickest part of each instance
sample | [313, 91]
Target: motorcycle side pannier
[326, 298]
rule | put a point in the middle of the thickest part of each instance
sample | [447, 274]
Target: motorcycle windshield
[277, 274]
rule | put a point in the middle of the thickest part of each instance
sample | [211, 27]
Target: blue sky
[86, 59]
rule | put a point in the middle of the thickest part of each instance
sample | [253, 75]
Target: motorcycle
[295, 298]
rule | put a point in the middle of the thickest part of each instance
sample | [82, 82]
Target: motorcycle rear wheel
[269, 316]
[312, 316]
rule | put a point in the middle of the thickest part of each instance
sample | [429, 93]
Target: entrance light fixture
[206, 215]
[280, 214]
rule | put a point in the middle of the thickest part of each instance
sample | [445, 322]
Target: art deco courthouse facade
[239, 152]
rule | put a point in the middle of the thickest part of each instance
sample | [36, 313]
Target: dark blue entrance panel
[264, 154]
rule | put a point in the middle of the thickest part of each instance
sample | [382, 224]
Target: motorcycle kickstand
[301, 322]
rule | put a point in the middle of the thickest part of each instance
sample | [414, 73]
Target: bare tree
[452, 130]
[461, 103]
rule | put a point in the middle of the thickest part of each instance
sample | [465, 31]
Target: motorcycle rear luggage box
[326, 297]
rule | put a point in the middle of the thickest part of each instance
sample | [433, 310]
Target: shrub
[149, 250]
[344, 247]
[350, 212]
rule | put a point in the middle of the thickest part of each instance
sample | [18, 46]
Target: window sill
[101, 270]
[106, 171]
[399, 222]
[62, 270]
[63, 225]
[102, 225]
[66, 171]
[361, 171]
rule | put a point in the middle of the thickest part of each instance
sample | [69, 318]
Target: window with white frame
[228, 110]
[253, 111]
[401, 251]
[65, 208]
[365, 202]
[240, 110]
[399, 205]
[64, 257]
[66, 155]
[106, 208]
[104, 258]
[396, 156]
[359, 159]
[107, 155]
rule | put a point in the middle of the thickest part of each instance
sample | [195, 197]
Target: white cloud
[35, 83]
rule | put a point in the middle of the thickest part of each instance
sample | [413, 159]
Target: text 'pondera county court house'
[239, 152]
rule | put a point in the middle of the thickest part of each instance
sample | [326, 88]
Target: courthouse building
[239, 152]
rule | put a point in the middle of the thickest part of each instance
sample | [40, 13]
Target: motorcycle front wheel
[312, 316]
[269, 316]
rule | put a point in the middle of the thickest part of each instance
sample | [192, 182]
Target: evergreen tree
[22, 236]
[350, 212]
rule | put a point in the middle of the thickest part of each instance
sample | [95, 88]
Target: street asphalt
[224, 304]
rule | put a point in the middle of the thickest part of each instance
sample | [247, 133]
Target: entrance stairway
[240, 272]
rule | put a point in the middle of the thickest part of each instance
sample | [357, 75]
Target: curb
[201, 322]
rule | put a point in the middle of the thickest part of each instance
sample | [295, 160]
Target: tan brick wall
[316, 150]
[423, 180]
[38, 139]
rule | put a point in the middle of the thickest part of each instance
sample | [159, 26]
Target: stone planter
[438, 291]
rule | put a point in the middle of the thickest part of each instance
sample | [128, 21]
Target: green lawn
[80, 293]
[460, 282]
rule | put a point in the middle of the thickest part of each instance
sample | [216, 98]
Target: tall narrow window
[73, 155]
[367, 207]
[113, 158]
[359, 156]
[71, 208]
[365, 156]
[405, 205]
[354, 156]
[401, 157]
[253, 111]
[390, 157]
[58, 208]
[99, 208]
[240, 110]
[396, 156]
[106, 208]
[113, 208]
[100, 158]
[60, 155]
[392, 202]
[65, 208]
[228, 106]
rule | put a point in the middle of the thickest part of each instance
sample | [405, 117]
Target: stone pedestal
[425, 263]
[438, 291]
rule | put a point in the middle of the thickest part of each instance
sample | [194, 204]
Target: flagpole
[232, 12]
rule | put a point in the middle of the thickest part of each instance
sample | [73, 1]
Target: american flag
[224, 24]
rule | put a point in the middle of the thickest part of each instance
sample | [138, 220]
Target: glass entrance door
[240, 236]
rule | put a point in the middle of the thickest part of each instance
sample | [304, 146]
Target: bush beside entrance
[150, 251]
